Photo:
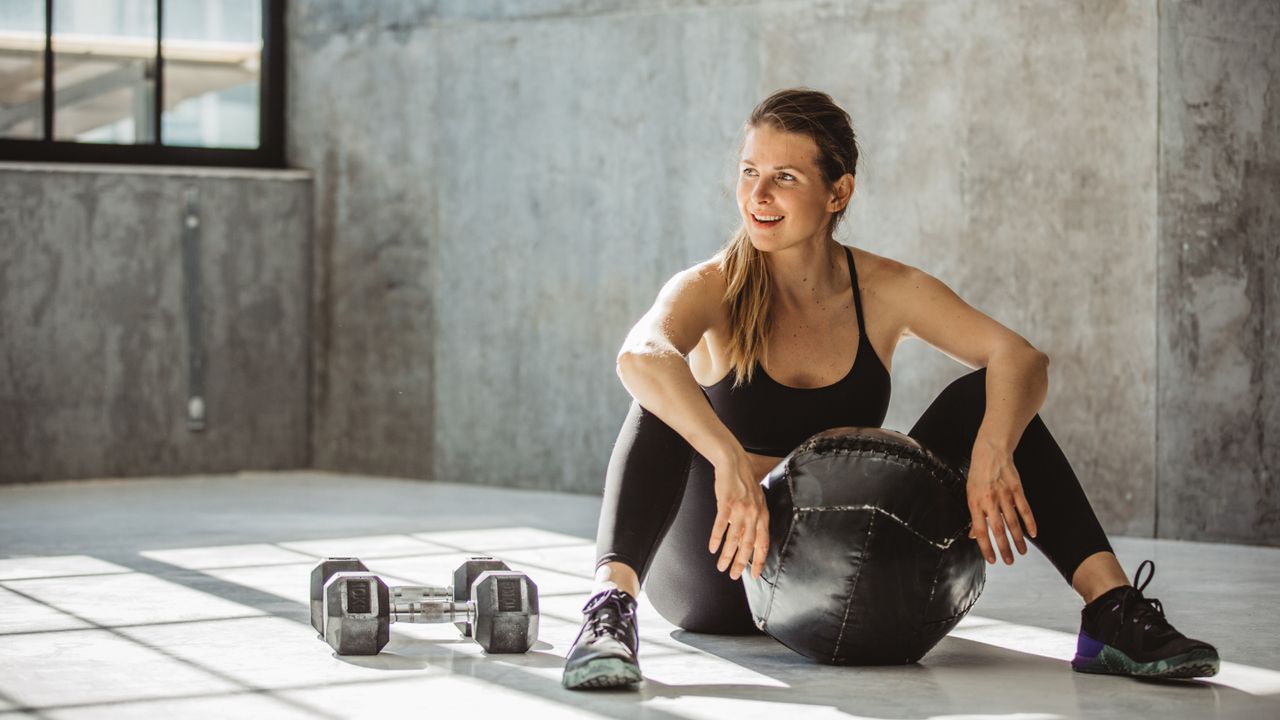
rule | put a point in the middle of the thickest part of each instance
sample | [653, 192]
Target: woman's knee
[949, 426]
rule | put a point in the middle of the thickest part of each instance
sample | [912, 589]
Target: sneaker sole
[602, 673]
[1197, 663]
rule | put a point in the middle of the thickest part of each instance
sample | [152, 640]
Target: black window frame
[271, 97]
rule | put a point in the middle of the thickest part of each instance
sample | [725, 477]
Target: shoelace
[1139, 609]
[606, 607]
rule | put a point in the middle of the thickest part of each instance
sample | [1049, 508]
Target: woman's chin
[764, 244]
[770, 242]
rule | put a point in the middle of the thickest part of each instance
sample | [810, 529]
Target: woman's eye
[787, 176]
[748, 172]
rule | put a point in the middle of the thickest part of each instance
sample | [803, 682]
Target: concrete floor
[187, 597]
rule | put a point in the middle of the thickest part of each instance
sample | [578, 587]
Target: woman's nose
[760, 191]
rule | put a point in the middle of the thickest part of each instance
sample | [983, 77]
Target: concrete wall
[93, 336]
[1219, 271]
[503, 186]
[361, 105]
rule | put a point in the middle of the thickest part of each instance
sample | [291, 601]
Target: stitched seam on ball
[905, 460]
[833, 440]
[917, 455]
[976, 595]
[933, 589]
[845, 508]
[965, 610]
[782, 553]
[835, 653]
[773, 587]
[960, 613]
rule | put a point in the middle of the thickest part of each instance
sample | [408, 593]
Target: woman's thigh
[683, 584]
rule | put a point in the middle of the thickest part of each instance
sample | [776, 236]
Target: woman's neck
[805, 275]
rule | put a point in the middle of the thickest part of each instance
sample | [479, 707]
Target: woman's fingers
[740, 531]
[986, 523]
[761, 546]
[718, 529]
[745, 535]
[1012, 505]
[730, 547]
[999, 529]
[1015, 528]
[1024, 511]
[1011, 521]
[980, 533]
[745, 548]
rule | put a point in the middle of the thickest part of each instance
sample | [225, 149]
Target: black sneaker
[604, 655]
[1124, 633]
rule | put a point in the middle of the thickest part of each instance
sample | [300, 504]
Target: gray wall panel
[1219, 272]
[93, 366]
[361, 84]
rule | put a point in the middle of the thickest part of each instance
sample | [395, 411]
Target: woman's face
[782, 196]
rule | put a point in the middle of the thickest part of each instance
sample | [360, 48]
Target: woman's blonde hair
[748, 292]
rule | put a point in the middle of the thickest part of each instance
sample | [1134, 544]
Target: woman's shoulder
[708, 271]
[892, 291]
[703, 279]
[877, 271]
[697, 290]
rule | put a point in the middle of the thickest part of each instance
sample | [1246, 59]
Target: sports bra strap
[857, 296]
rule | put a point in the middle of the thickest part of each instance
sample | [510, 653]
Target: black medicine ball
[870, 561]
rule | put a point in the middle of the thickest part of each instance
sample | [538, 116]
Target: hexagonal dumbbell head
[466, 575]
[319, 576]
[357, 613]
[505, 610]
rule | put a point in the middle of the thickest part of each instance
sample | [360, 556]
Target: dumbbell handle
[428, 604]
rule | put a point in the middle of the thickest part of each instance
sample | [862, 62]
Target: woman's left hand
[996, 501]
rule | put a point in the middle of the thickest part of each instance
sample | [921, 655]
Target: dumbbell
[463, 578]
[357, 607]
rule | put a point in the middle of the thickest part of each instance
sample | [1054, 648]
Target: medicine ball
[870, 560]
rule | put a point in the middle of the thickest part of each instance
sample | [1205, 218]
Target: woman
[787, 333]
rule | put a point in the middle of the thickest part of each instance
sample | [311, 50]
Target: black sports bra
[770, 418]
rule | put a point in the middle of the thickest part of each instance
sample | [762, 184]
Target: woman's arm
[1017, 373]
[1016, 385]
[652, 367]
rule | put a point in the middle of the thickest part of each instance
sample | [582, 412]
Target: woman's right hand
[742, 518]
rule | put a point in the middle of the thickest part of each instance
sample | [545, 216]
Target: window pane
[104, 70]
[212, 64]
[22, 69]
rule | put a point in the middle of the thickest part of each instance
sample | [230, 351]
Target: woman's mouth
[765, 221]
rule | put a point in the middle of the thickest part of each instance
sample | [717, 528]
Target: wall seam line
[1155, 446]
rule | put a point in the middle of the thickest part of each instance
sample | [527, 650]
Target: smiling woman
[800, 331]
[791, 186]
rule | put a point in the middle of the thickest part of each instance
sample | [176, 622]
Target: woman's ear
[841, 192]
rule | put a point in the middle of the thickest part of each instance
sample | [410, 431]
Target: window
[142, 81]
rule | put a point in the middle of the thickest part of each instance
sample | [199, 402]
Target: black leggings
[659, 504]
